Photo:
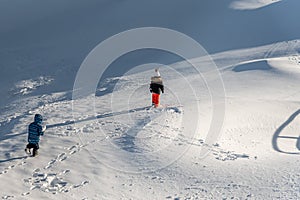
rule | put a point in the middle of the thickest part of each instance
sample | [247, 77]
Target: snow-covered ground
[112, 145]
[251, 4]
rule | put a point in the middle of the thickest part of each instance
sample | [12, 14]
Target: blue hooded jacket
[35, 130]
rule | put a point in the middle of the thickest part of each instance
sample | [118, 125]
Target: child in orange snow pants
[155, 99]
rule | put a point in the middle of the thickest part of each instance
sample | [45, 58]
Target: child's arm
[42, 129]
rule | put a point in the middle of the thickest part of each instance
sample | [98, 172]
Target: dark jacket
[35, 130]
[156, 88]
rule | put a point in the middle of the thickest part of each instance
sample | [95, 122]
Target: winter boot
[35, 152]
[27, 150]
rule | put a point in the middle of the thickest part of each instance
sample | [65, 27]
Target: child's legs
[155, 99]
[30, 146]
[35, 148]
[27, 148]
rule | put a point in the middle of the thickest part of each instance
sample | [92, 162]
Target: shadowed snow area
[51, 38]
[262, 65]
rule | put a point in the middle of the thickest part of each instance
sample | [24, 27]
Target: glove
[44, 128]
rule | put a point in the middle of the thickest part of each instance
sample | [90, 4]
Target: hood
[38, 119]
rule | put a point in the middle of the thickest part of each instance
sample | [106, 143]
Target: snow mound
[28, 86]
[260, 65]
[251, 4]
[290, 64]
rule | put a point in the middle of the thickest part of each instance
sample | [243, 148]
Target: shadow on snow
[101, 116]
[277, 135]
[11, 159]
[127, 141]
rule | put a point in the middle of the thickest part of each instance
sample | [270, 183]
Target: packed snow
[113, 144]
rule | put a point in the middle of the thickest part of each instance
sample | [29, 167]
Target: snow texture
[113, 144]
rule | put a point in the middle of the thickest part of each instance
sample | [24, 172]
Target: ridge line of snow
[251, 4]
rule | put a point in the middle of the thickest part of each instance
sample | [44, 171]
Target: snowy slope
[129, 151]
[112, 145]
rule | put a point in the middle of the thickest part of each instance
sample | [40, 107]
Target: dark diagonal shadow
[11, 159]
[6, 137]
[105, 115]
[277, 136]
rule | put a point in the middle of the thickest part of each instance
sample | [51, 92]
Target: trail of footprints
[44, 179]
[7, 169]
[8, 197]
[215, 149]
[49, 182]
[52, 182]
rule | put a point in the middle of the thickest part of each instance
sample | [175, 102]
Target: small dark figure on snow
[156, 87]
[35, 130]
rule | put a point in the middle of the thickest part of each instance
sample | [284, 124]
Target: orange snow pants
[155, 99]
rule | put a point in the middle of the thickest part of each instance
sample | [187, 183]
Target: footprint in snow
[22, 163]
[3, 172]
[50, 164]
[72, 152]
[8, 197]
[35, 187]
[25, 193]
[47, 182]
[72, 148]
[66, 171]
[11, 167]
[63, 158]
[80, 185]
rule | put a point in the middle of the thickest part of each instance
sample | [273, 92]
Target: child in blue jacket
[35, 130]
